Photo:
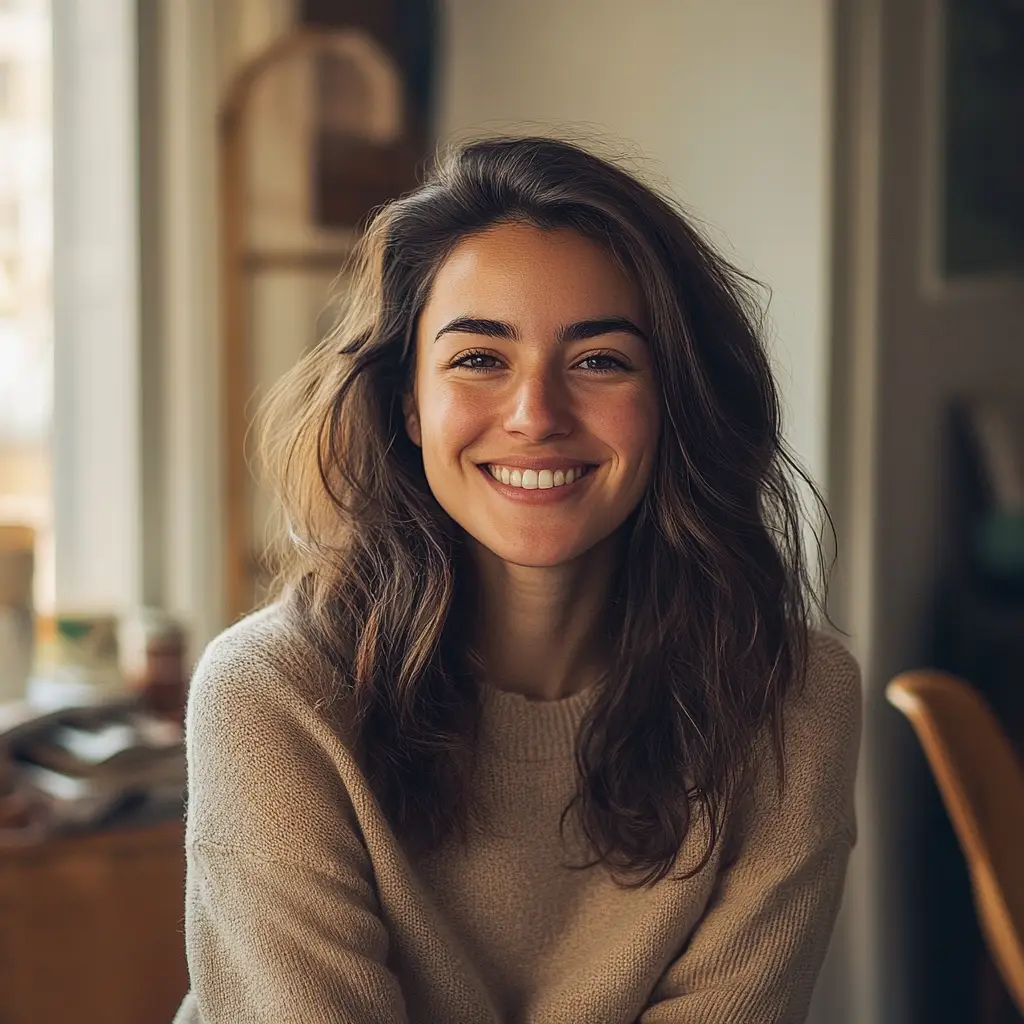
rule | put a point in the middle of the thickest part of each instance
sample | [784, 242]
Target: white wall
[729, 102]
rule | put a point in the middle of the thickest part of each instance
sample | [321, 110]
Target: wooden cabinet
[91, 929]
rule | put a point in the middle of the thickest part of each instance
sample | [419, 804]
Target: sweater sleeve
[282, 922]
[756, 953]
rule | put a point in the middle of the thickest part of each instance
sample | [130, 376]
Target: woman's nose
[539, 407]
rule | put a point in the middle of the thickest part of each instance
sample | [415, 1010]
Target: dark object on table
[83, 768]
[154, 645]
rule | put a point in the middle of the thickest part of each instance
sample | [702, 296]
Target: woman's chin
[536, 552]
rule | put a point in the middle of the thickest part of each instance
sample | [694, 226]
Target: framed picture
[981, 201]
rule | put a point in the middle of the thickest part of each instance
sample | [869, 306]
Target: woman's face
[534, 400]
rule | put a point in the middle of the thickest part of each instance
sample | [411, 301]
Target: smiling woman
[538, 727]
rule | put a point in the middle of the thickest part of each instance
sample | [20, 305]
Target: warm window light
[26, 271]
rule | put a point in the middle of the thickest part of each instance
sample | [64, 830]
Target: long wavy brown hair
[713, 597]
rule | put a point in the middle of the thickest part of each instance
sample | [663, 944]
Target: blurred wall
[729, 106]
[907, 344]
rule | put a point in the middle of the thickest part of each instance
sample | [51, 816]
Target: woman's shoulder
[264, 641]
[821, 732]
[261, 667]
[831, 687]
[267, 763]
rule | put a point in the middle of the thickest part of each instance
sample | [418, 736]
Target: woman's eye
[476, 361]
[599, 362]
[602, 363]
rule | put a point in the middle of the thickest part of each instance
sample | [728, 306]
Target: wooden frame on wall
[238, 261]
[377, 173]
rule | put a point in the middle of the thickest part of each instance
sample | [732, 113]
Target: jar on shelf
[153, 646]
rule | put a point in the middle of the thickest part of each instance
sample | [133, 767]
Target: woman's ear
[412, 419]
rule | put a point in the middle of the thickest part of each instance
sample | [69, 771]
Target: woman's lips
[540, 495]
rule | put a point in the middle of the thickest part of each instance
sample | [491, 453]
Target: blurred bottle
[153, 657]
[17, 566]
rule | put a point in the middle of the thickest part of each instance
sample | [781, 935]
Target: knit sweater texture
[303, 906]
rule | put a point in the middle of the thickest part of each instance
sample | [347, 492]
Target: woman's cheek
[627, 422]
[455, 417]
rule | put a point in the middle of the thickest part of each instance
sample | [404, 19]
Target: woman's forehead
[521, 271]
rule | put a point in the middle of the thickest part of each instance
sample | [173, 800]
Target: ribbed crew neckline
[519, 728]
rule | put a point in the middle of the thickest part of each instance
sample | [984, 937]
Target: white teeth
[532, 479]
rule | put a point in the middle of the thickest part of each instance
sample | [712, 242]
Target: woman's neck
[541, 631]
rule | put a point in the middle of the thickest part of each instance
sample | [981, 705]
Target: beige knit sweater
[302, 907]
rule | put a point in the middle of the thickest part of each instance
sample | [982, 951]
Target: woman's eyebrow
[583, 329]
[578, 331]
[474, 325]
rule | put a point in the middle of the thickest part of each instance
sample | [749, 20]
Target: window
[26, 265]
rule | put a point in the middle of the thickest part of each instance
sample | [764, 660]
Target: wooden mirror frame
[237, 261]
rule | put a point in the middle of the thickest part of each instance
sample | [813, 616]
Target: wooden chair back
[982, 786]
